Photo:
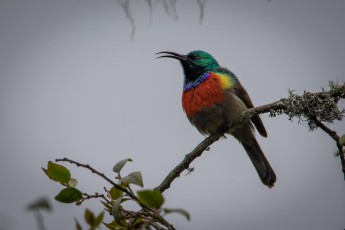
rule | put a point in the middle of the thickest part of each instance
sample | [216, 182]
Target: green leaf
[119, 165]
[57, 172]
[151, 198]
[116, 212]
[77, 225]
[69, 195]
[179, 211]
[133, 178]
[112, 225]
[89, 217]
[115, 193]
[342, 140]
[99, 219]
[72, 182]
[137, 220]
[107, 206]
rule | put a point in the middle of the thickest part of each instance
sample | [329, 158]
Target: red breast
[206, 94]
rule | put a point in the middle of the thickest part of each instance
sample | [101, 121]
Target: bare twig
[96, 195]
[330, 132]
[188, 159]
[336, 138]
[87, 197]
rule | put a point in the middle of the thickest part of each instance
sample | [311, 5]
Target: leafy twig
[87, 166]
[149, 210]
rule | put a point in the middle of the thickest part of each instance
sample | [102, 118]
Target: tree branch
[322, 105]
[188, 159]
[311, 108]
[336, 138]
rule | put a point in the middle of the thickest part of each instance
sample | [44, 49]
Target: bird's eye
[196, 57]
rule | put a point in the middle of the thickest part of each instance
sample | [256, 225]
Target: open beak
[174, 55]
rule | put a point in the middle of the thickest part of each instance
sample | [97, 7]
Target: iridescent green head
[202, 61]
[195, 64]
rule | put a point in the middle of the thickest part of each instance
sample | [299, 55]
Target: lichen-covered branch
[310, 108]
[321, 105]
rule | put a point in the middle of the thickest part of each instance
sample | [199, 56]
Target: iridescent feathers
[213, 99]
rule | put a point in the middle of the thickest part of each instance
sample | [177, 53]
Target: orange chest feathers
[204, 95]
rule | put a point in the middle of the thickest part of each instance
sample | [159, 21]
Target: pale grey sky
[73, 84]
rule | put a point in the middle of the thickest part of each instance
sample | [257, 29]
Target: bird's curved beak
[174, 55]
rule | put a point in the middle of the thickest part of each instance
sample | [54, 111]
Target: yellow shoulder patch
[225, 81]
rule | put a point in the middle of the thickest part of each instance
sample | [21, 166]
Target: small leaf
[112, 225]
[99, 219]
[138, 220]
[119, 165]
[116, 212]
[179, 211]
[342, 140]
[57, 172]
[133, 178]
[151, 198]
[77, 224]
[45, 171]
[107, 206]
[89, 217]
[69, 195]
[115, 193]
[72, 182]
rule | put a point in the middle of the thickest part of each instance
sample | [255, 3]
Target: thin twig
[336, 138]
[96, 195]
[87, 166]
[330, 132]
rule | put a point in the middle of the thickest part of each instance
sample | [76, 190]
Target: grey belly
[210, 120]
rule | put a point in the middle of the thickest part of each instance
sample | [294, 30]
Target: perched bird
[213, 98]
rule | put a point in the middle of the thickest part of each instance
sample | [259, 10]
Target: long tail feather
[261, 164]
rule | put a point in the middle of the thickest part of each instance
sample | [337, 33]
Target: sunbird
[214, 99]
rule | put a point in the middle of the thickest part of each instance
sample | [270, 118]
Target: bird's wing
[243, 95]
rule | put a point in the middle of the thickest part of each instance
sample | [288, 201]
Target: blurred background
[75, 81]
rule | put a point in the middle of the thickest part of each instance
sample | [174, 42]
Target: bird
[214, 99]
